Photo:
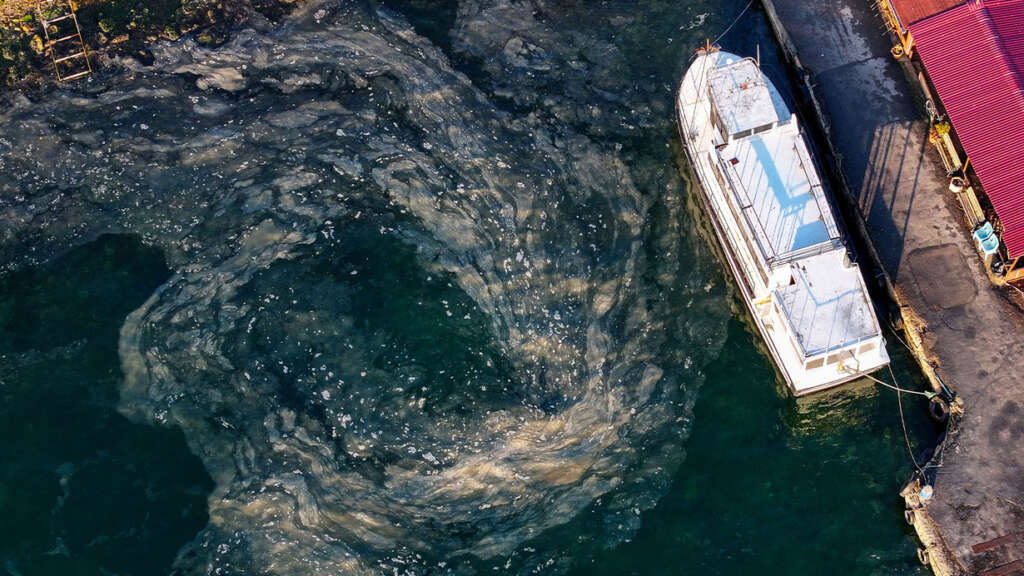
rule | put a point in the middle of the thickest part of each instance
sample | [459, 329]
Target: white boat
[765, 200]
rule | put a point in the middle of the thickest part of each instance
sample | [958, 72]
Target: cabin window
[840, 357]
[752, 131]
[866, 348]
[816, 363]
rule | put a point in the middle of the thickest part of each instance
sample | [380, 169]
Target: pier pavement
[965, 329]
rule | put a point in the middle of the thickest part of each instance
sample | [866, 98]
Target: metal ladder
[67, 47]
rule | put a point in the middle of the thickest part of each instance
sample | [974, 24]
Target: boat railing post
[767, 251]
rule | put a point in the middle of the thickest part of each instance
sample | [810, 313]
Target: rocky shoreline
[120, 28]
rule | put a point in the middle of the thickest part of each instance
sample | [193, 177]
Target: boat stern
[827, 370]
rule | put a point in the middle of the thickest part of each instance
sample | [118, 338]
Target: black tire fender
[938, 409]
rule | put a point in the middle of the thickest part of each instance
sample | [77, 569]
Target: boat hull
[749, 292]
[737, 275]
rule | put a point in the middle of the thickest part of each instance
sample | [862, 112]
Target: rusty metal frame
[50, 43]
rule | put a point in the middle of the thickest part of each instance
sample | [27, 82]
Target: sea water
[409, 288]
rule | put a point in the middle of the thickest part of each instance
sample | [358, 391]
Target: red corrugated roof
[975, 57]
[910, 11]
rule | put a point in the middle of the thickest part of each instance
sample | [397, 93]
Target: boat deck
[826, 305]
[780, 192]
[745, 100]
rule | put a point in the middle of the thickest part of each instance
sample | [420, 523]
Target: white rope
[903, 422]
[896, 388]
[899, 402]
[886, 384]
[722, 35]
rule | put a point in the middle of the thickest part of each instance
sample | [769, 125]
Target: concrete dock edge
[935, 552]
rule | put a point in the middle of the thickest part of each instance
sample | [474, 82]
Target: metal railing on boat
[773, 259]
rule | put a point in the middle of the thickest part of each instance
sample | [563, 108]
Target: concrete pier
[966, 330]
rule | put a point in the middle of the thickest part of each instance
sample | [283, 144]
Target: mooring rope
[903, 423]
[949, 395]
[902, 341]
[897, 388]
[940, 449]
[704, 69]
[899, 403]
[696, 99]
[734, 22]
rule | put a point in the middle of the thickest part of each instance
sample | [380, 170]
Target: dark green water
[777, 486]
[769, 485]
[369, 363]
[82, 489]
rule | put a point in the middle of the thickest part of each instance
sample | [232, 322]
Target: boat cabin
[810, 294]
[751, 106]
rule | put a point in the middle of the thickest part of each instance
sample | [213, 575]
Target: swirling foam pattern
[411, 330]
